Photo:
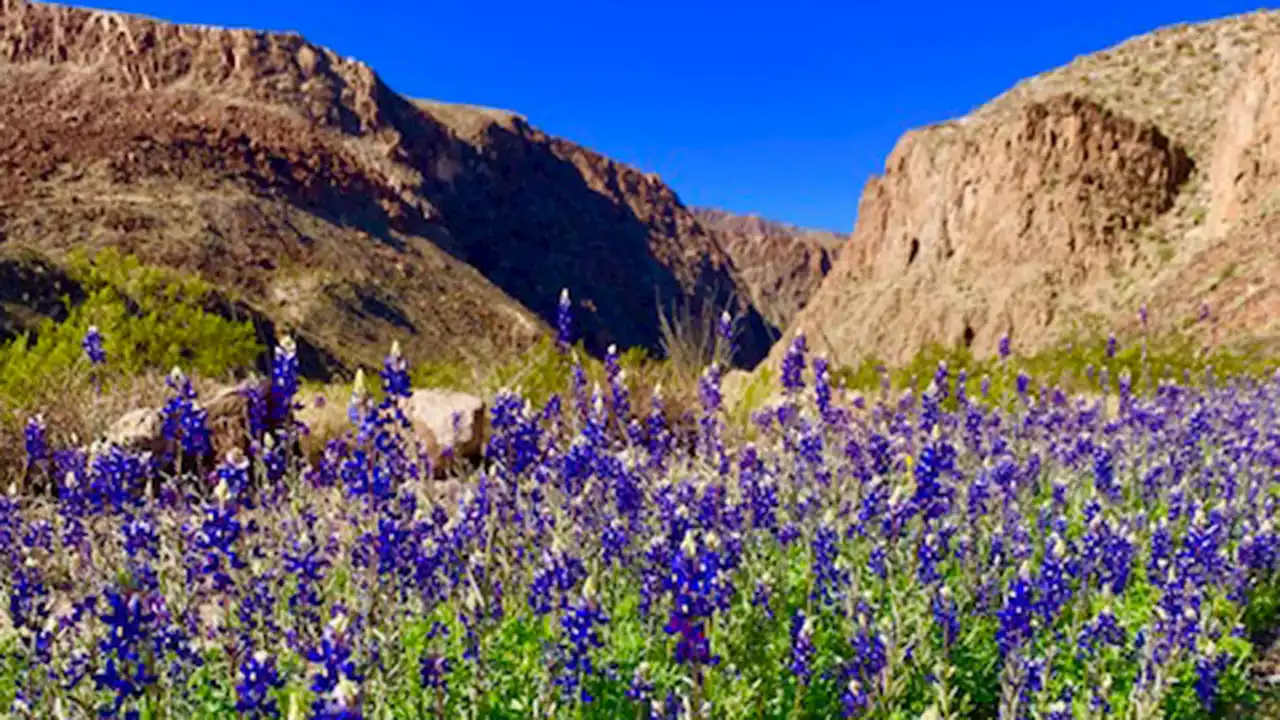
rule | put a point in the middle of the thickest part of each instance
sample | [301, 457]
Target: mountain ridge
[1061, 206]
[298, 179]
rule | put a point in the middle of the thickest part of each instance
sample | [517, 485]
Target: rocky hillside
[296, 180]
[1140, 174]
[782, 265]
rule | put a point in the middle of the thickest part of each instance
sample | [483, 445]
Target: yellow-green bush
[1077, 365]
[150, 318]
[539, 373]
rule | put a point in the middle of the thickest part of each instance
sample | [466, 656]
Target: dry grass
[76, 413]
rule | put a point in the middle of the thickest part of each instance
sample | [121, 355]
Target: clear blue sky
[782, 108]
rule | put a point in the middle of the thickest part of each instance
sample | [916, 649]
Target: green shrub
[150, 318]
[1079, 365]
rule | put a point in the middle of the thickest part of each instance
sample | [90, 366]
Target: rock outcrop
[1129, 177]
[1246, 157]
[977, 229]
[297, 179]
[782, 265]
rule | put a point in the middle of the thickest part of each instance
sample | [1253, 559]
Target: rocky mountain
[1142, 174]
[297, 181]
[782, 265]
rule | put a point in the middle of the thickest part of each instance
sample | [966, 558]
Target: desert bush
[1085, 362]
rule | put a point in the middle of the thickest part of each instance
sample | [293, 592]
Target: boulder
[137, 431]
[323, 414]
[450, 424]
[140, 430]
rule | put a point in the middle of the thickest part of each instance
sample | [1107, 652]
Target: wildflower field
[955, 552]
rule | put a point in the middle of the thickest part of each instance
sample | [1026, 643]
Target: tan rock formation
[1139, 174]
[781, 265]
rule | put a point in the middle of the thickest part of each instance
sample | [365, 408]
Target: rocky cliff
[781, 265]
[297, 179]
[1130, 176]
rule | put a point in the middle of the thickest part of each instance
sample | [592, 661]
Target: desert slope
[1074, 198]
[298, 180]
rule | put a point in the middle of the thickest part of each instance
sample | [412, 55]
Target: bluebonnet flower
[559, 573]
[125, 673]
[929, 552]
[1200, 558]
[1005, 346]
[724, 330]
[141, 540]
[641, 688]
[258, 678]
[869, 659]
[433, 672]
[709, 390]
[257, 412]
[1022, 383]
[335, 680]
[698, 589]
[395, 374]
[116, 479]
[1209, 669]
[829, 579]
[854, 700]
[876, 561]
[275, 459]
[182, 418]
[233, 472]
[802, 650]
[217, 541]
[284, 380]
[1101, 631]
[516, 437]
[36, 441]
[92, 345]
[1016, 614]
[29, 607]
[306, 565]
[1061, 708]
[946, 615]
[579, 638]
[564, 321]
[822, 391]
[1260, 550]
[617, 385]
[793, 363]
[762, 598]
[1055, 579]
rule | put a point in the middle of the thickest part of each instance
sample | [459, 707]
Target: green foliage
[538, 373]
[150, 318]
[1078, 365]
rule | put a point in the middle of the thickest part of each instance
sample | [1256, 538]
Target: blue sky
[780, 108]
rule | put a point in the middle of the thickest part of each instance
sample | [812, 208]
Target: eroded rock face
[295, 176]
[1246, 156]
[981, 228]
[781, 265]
